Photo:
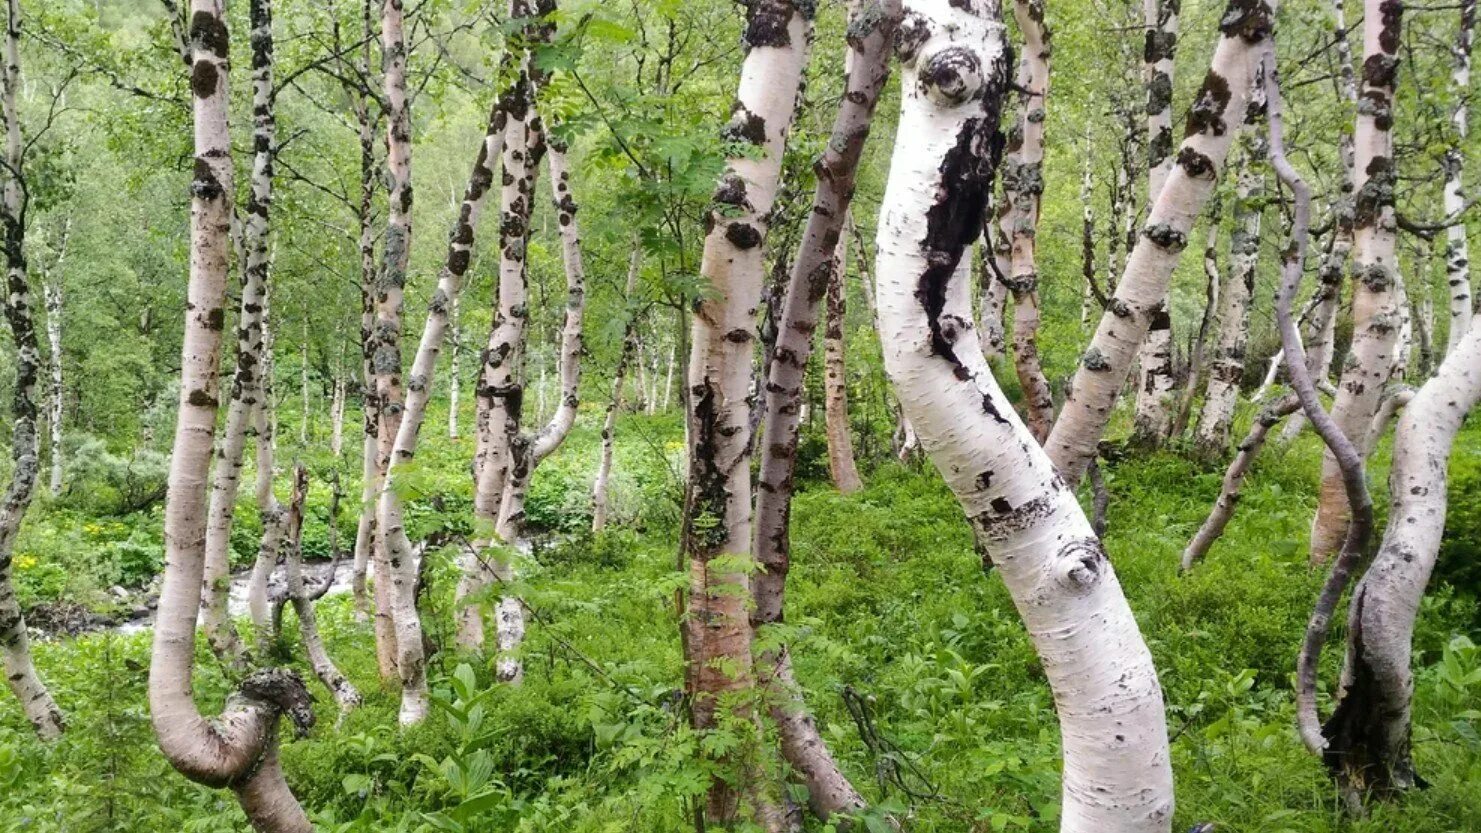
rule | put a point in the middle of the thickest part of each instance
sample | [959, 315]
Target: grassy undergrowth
[888, 606]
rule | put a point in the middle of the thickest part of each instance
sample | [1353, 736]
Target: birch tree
[1457, 255]
[20, 670]
[841, 466]
[600, 487]
[815, 273]
[54, 295]
[1106, 363]
[718, 520]
[249, 385]
[1375, 311]
[1153, 421]
[238, 749]
[1117, 774]
[1023, 187]
[1227, 368]
[394, 566]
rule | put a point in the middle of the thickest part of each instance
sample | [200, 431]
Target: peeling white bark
[56, 402]
[1117, 774]
[1457, 254]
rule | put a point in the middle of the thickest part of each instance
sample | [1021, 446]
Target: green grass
[887, 599]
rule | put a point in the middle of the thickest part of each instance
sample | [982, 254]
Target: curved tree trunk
[1369, 734]
[1153, 420]
[1321, 339]
[530, 450]
[1135, 308]
[1375, 311]
[1117, 773]
[1023, 187]
[238, 749]
[343, 690]
[717, 523]
[1219, 517]
[15, 651]
[815, 272]
[398, 569]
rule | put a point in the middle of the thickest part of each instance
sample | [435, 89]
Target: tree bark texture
[1375, 310]
[15, 651]
[1117, 774]
[238, 749]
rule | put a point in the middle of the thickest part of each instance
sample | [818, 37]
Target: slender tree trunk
[249, 385]
[305, 410]
[816, 274]
[15, 652]
[994, 301]
[1023, 187]
[1249, 449]
[454, 371]
[1376, 315]
[337, 416]
[399, 567]
[341, 689]
[1212, 276]
[238, 749]
[274, 515]
[841, 466]
[1212, 437]
[54, 297]
[668, 380]
[1321, 340]
[717, 538]
[1457, 257]
[1135, 308]
[531, 449]
[599, 489]
[1117, 773]
[1153, 422]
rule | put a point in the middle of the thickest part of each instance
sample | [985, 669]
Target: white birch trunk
[1369, 734]
[841, 466]
[1457, 256]
[1214, 423]
[1375, 312]
[54, 298]
[337, 417]
[238, 749]
[396, 567]
[1135, 309]
[1117, 773]
[455, 372]
[15, 652]
[343, 691]
[1153, 421]
[600, 488]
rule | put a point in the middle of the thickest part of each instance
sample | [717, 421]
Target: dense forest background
[924, 683]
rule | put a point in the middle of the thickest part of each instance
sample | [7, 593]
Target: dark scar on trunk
[952, 223]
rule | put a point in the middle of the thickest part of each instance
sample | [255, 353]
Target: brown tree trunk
[841, 466]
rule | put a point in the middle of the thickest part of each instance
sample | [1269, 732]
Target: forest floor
[888, 610]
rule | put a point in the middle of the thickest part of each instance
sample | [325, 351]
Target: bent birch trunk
[238, 749]
[1117, 773]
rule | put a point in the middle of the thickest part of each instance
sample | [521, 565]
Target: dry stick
[1218, 518]
[1343, 450]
